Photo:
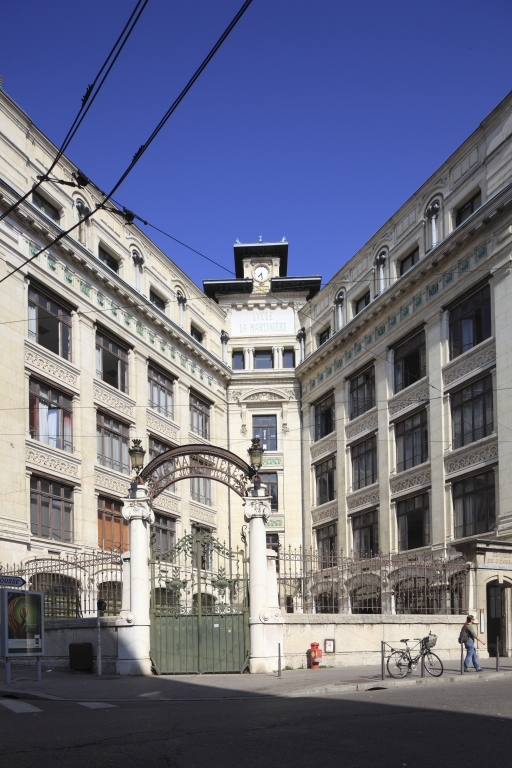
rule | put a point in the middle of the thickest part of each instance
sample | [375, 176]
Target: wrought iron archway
[197, 460]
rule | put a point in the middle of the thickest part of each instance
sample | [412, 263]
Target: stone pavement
[293, 683]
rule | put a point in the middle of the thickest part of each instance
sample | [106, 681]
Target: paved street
[447, 725]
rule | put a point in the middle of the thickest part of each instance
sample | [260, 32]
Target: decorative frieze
[157, 423]
[167, 502]
[363, 424]
[325, 512]
[203, 515]
[112, 483]
[234, 395]
[415, 395]
[481, 356]
[365, 497]
[411, 478]
[113, 400]
[272, 461]
[265, 396]
[324, 447]
[43, 362]
[48, 459]
[482, 452]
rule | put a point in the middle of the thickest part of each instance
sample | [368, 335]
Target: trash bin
[80, 657]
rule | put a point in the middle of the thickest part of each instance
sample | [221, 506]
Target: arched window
[61, 595]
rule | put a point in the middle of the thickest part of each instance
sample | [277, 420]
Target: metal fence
[73, 584]
[402, 583]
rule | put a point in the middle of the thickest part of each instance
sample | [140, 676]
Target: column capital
[137, 507]
[433, 209]
[257, 507]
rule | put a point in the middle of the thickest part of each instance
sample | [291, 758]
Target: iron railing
[72, 584]
[404, 583]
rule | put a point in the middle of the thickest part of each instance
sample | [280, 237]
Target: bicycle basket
[431, 640]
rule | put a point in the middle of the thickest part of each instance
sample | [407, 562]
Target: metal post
[98, 648]
[382, 668]
[279, 659]
[462, 658]
[7, 671]
[199, 600]
[422, 666]
[38, 669]
[498, 654]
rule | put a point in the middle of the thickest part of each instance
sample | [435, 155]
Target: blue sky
[315, 121]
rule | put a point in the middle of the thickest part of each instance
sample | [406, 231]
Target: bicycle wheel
[398, 664]
[433, 665]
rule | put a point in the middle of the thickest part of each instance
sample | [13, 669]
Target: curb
[389, 683]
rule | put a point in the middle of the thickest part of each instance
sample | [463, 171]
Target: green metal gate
[199, 607]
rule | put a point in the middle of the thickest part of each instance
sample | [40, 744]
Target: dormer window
[196, 334]
[158, 302]
[324, 335]
[105, 257]
[362, 303]
[466, 210]
[409, 261]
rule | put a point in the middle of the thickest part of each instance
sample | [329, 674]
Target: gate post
[133, 633]
[265, 619]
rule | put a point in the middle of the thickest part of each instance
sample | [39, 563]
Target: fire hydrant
[315, 655]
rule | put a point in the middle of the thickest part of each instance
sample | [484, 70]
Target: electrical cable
[129, 216]
[87, 102]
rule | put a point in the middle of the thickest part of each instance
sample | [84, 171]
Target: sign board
[12, 581]
[21, 623]
[329, 646]
[256, 323]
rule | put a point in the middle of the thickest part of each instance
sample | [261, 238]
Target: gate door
[199, 607]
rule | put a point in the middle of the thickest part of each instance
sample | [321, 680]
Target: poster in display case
[21, 623]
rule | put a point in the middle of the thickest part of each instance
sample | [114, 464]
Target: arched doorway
[199, 587]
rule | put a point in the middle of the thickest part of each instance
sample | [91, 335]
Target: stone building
[382, 399]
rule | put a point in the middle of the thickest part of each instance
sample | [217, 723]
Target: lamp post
[137, 454]
[256, 452]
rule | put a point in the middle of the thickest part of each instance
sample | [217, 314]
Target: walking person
[469, 637]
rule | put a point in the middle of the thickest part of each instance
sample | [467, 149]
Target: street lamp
[256, 452]
[137, 454]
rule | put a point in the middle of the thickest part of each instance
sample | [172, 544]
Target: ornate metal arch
[196, 460]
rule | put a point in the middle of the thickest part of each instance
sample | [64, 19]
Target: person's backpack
[464, 636]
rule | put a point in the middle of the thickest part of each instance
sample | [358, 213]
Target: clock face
[261, 273]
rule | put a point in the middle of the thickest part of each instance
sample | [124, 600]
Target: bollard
[7, 672]
[279, 659]
[498, 654]
[38, 669]
[382, 668]
[462, 658]
[423, 666]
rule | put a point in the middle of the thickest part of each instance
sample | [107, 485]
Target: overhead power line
[128, 215]
[87, 101]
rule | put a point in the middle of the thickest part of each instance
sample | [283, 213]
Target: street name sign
[12, 581]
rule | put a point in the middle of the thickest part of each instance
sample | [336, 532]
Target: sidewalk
[293, 683]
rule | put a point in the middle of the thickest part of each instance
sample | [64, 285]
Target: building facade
[382, 399]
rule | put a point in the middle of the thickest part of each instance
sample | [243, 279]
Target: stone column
[380, 263]
[181, 306]
[339, 301]
[432, 214]
[265, 620]
[224, 338]
[301, 338]
[133, 641]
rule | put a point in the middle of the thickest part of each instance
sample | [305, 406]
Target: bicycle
[401, 663]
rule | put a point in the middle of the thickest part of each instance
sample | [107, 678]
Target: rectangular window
[50, 416]
[289, 358]
[362, 392]
[326, 545]
[410, 361]
[155, 299]
[51, 509]
[364, 463]
[273, 544]
[196, 334]
[163, 533]
[470, 322]
[324, 417]
[111, 362]
[160, 391]
[474, 505]
[49, 324]
[411, 441]
[270, 480]
[156, 447]
[465, 211]
[265, 427]
[201, 488]
[362, 303]
[409, 261]
[324, 335]
[105, 257]
[45, 207]
[199, 416]
[112, 443]
[238, 362]
[365, 530]
[263, 358]
[413, 522]
[113, 529]
[472, 412]
[325, 474]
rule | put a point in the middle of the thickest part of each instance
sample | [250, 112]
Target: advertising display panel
[21, 623]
